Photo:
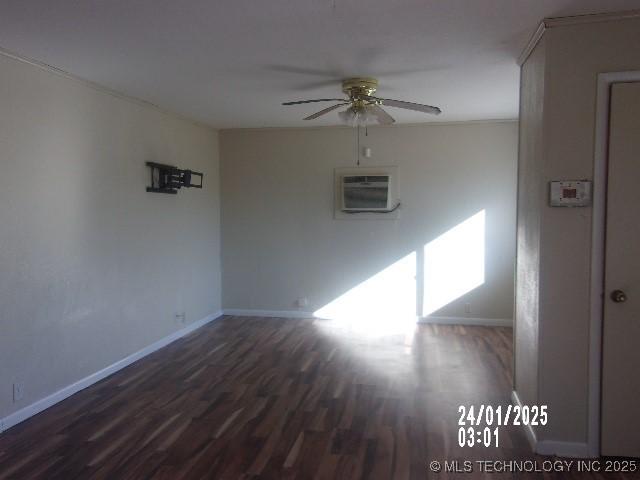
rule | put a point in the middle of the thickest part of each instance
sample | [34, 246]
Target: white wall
[574, 56]
[93, 268]
[531, 193]
[281, 241]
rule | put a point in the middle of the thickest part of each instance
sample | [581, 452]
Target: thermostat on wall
[570, 193]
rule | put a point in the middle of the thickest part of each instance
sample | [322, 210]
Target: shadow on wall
[416, 285]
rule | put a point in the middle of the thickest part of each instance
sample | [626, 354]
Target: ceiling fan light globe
[348, 117]
[367, 117]
[358, 117]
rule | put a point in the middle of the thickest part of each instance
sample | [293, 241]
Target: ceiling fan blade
[325, 110]
[418, 107]
[314, 101]
[411, 106]
[383, 117]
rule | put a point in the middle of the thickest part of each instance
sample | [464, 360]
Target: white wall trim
[483, 322]
[488, 322]
[563, 449]
[528, 429]
[50, 400]
[590, 18]
[429, 123]
[601, 148]
[268, 313]
[96, 86]
[532, 43]
[552, 22]
[550, 447]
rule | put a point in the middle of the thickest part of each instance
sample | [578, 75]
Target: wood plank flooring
[277, 399]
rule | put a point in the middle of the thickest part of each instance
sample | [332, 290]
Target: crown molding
[98, 87]
[554, 22]
[590, 18]
[460, 123]
[532, 43]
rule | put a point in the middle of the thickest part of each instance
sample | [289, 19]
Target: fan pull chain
[358, 145]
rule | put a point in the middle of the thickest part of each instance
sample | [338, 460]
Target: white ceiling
[231, 63]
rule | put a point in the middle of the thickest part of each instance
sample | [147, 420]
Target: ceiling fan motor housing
[359, 87]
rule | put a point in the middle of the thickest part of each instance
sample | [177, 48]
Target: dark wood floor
[277, 399]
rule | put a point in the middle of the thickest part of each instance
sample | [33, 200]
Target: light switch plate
[570, 193]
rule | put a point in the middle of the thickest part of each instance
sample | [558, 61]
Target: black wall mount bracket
[170, 179]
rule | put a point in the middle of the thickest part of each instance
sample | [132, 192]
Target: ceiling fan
[363, 107]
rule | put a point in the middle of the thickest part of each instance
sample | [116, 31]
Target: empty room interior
[319, 239]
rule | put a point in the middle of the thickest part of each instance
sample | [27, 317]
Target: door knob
[618, 296]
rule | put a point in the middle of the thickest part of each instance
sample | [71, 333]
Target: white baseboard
[483, 322]
[563, 449]
[268, 313]
[552, 447]
[488, 322]
[50, 400]
[528, 430]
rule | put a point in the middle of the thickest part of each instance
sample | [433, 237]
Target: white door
[621, 331]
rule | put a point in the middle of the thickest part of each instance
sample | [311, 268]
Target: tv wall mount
[170, 179]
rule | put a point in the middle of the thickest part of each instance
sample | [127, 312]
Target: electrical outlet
[302, 302]
[467, 308]
[18, 391]
[181, 317]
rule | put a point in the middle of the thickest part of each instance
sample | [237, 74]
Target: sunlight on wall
[382, 304]
[454, 263]
[387, 304]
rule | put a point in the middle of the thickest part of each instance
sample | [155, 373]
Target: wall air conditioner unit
[366, 193]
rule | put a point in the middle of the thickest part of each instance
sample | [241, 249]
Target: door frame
[598, 231]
